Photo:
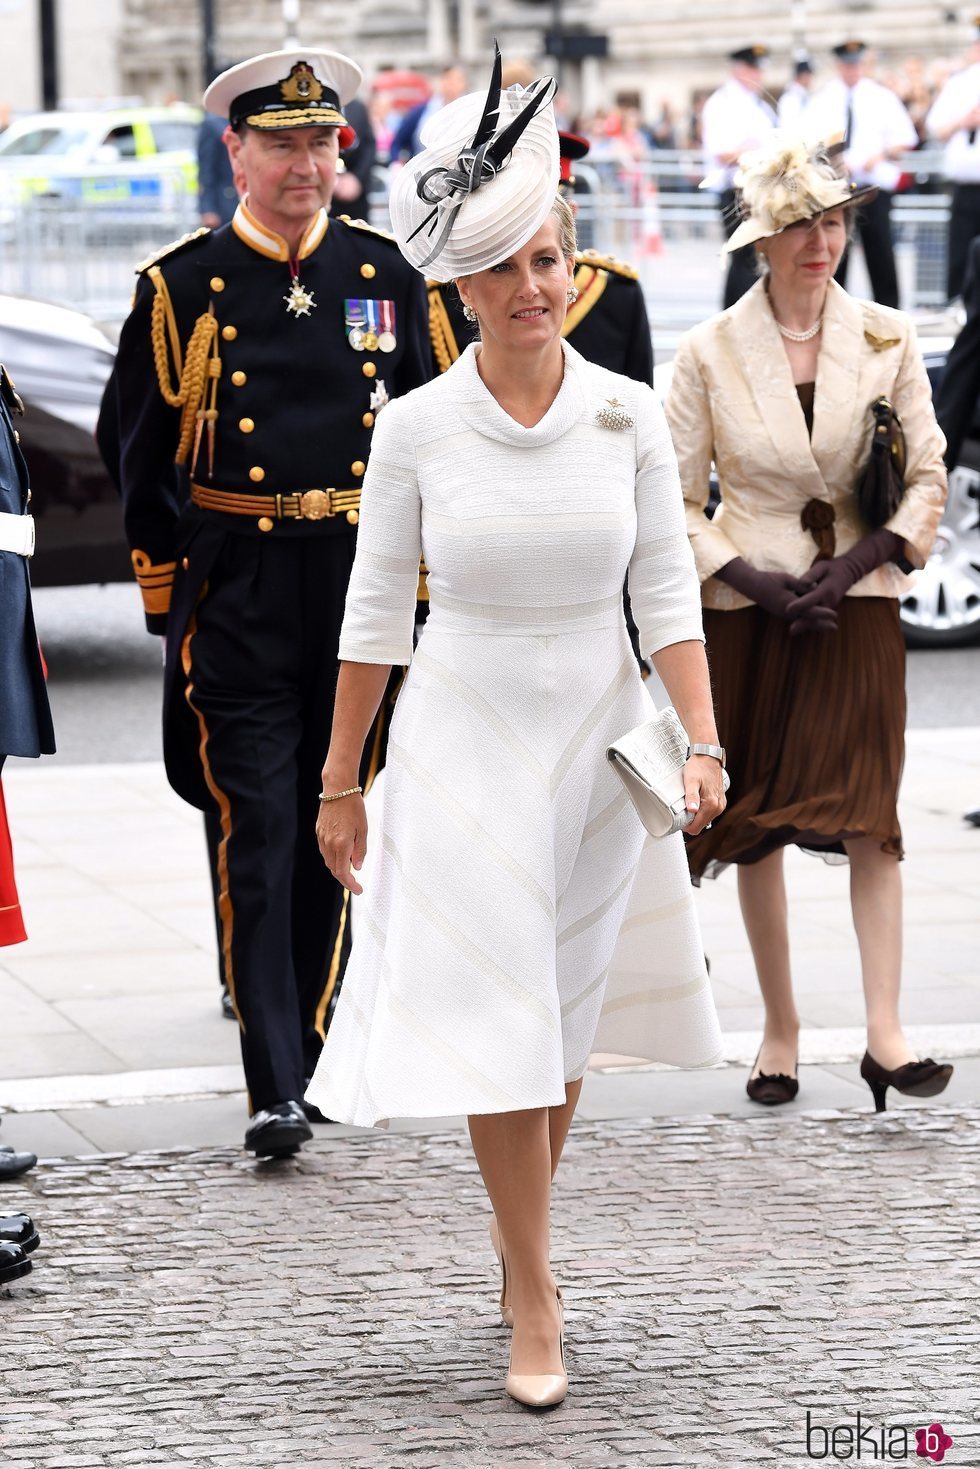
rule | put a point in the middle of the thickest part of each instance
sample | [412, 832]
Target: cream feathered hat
[484, 183]
[787, 181]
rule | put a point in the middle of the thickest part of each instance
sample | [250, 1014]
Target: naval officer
[248, 380]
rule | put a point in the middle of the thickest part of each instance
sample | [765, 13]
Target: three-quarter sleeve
[663, 582]
[379, 618]
[689, 417]
[918, 516]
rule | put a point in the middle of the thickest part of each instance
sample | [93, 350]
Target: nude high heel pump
[506, 1313]
[541, 1390]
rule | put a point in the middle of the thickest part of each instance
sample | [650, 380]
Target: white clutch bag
[650, 762]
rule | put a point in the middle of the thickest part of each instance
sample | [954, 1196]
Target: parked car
[60, 361]
[942, 607]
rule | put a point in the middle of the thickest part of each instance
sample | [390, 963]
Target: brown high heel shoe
[915, 1079]
[772, 1090]
[541, 1389]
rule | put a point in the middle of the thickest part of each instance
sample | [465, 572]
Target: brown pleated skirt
[814, 727]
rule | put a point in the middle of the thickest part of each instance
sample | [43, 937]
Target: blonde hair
[562, 212]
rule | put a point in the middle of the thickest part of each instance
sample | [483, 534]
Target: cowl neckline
[481, 411]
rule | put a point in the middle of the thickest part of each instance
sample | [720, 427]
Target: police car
[116, 156]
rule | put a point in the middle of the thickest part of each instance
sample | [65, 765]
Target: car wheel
[942, 610]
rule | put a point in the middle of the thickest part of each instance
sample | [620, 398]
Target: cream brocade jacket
[732, 400]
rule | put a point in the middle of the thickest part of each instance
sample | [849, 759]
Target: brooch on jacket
[881, 344]
[614, 415]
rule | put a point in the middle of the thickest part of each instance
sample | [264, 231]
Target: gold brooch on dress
[614, 415]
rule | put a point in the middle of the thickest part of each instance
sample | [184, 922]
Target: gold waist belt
[302, 505]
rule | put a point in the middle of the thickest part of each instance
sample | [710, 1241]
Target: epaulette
[607, 262]
[369, 229]
[9, 393]
[184, 243]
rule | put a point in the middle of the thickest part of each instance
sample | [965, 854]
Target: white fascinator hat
[484, 183]
[787, 181]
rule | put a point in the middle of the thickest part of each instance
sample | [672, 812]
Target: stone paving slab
[723, 1277]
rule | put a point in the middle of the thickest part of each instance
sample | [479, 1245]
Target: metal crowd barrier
[82, 255]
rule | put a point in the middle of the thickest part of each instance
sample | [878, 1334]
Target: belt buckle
[316, 505]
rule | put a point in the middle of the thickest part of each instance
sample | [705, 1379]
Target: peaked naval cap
[286, 89]
[484, 183]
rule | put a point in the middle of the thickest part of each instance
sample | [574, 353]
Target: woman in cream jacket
[800, 596]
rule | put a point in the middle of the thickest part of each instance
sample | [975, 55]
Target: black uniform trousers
[964, 226]
[874, 227]
[742, 264]
[260, 658]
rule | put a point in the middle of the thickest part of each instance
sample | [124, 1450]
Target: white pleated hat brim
[499, 217]
[335, 71]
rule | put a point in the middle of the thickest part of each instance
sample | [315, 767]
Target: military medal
[299, 300]
[356, 324]
[386, 318]
[379, 396]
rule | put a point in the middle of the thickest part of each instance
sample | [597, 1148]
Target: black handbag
[881, 484]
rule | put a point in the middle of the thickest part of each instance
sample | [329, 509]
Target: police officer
[607, 322]
[792, 105]
[877, 130]
[736, 118]
[954, 119]
[247, 382]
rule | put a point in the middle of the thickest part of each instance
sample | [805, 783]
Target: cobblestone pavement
[723, 1276]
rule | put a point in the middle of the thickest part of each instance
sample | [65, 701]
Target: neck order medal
[299, 301]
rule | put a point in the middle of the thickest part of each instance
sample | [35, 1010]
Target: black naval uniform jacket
[292, 401]
[608, 323]
[25, 716]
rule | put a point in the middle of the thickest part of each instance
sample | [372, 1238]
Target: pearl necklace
[806, 336]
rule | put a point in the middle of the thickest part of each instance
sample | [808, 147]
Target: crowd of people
[394, 502]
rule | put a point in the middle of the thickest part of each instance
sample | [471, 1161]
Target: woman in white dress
[516, 919]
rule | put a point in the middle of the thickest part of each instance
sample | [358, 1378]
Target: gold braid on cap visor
[447, 189]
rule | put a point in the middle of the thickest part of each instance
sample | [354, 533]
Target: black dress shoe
[774, 1090]
[915, 1079]
[277, 1132]
[18, 1229]
[12, 1164]
[13, 1263]
[227, 1008]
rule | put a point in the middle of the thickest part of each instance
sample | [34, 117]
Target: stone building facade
[657, 49]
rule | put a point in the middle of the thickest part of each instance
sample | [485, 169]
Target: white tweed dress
[517, 917]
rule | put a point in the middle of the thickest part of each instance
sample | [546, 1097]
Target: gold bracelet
[338, 795]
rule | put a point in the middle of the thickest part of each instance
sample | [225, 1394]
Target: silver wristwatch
[717, 752]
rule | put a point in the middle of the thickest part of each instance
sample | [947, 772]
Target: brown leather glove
[827, 582]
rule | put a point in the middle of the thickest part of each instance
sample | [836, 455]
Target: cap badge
[614, 415]
[301, 85]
